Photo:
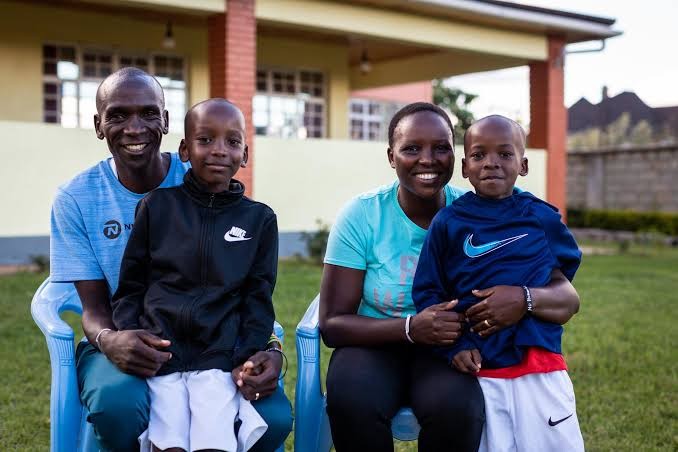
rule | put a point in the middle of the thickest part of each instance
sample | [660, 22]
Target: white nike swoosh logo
[232, 238]
[474, 251]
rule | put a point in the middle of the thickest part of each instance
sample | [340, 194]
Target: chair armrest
[49, 301]
[65, 410]
[309, 400]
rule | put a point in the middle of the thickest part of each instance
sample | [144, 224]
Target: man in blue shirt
[92, 217]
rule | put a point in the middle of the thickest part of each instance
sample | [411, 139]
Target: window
[71, 76]
[289, 103]
[369, 119]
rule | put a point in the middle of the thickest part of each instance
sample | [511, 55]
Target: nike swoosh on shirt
[554, 423]
[474, 251]
[232, 238]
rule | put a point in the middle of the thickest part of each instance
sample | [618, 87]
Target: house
[291, 65]
[583, 115]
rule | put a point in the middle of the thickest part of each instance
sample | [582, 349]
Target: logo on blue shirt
[474, 251]
[112, 229]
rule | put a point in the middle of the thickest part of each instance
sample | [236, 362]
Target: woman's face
[422, 153]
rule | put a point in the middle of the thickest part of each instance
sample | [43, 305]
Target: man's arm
[132, 351]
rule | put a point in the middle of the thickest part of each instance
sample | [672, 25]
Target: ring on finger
[487, 323]
[256, 396]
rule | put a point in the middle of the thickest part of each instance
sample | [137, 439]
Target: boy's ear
[523, 167]
[97, 126]
[245, 156]
[389, 153]
[464, 174]
[183, 151]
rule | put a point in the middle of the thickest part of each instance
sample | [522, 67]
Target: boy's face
[133, 120]
[493, 157]
[215, 144]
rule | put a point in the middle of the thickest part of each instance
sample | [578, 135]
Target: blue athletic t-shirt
[92, 217]
[372, 233]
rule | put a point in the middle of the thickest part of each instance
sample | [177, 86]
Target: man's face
[493, 158]
[133, 120]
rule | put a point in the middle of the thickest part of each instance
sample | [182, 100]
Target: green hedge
[624, 220]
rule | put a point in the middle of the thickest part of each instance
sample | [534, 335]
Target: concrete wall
[642, 179]
[303, 180]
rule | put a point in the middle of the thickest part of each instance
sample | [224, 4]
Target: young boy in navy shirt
[199, 271]
[500, 236]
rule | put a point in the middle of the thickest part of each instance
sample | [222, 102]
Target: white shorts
[532, 413]
[197, 410]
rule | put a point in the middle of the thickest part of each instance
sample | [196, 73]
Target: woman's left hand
[502, 306]
[258, 376]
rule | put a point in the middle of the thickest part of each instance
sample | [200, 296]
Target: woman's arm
[340, 294]
[503, 306]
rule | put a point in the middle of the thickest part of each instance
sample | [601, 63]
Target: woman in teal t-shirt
[382, 358]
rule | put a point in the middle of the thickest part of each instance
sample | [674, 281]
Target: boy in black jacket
[199, 270]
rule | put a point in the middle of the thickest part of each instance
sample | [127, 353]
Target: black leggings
[367, 386]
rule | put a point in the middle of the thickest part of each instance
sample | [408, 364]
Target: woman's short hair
[413, 108]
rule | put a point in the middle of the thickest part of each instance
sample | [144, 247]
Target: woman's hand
[258, 376]
[502, 306]
[437, 325]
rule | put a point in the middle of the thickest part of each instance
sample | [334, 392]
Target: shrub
[316, 242]
[624, 220]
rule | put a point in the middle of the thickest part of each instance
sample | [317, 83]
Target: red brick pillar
[232, 66]
[548, 119]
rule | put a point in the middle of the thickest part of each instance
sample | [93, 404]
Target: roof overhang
[507, 15]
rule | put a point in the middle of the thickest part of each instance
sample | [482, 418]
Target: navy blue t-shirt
[477, 243]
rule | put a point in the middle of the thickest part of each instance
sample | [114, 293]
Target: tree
[642, 133]
[456, 102]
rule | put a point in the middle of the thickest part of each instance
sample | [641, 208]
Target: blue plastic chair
[311, 425]
[69, 429]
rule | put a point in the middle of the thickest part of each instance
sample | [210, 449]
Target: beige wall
[302, 180]
[25, 28]
[332, 59]
[36, 159]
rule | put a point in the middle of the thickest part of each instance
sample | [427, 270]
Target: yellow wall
[331, 59]
[25, 28]
[302, 180]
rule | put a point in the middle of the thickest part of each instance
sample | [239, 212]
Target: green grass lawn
[621, 350]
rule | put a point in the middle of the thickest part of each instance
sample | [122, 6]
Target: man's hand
[502, 306]
[437, 325]
[258, 375]
[467, 361]
[135, 352]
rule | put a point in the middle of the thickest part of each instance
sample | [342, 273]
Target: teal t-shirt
[372, 233]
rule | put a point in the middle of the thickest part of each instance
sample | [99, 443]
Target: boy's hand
[502, 306]
[135, 352]
[467, 361]
[437, 325]
[258, 375]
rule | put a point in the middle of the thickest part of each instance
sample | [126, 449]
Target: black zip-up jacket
[199, 270]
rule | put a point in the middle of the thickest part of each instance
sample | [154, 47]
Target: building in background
[623, 119]
[297, 68]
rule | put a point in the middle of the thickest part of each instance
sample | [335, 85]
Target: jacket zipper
[187, 310]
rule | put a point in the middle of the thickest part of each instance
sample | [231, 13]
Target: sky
[643, 59]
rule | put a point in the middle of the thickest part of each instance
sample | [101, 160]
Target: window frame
[298, 95]
[116, 54]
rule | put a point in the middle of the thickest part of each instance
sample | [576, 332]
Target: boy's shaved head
[125, 75]
[501, 121]
[206, 105]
